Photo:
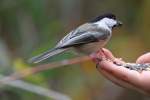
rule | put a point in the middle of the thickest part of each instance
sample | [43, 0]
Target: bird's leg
[96, 58]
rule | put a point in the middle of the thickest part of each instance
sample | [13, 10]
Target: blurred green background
[29, 27]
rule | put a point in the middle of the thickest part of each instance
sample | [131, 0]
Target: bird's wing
[76, 32]
[83, 37]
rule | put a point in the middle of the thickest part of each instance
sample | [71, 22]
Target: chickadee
[87, 38]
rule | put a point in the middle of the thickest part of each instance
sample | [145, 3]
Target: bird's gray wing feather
[84, 38]
[77, 32]
[46, 55]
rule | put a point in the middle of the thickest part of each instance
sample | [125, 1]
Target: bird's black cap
[108, 15]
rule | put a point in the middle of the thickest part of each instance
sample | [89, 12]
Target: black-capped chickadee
[87, 38]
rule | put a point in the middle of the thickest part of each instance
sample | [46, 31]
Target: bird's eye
[115, 25]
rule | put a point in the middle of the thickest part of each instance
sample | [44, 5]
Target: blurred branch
[35, 89]
[39, 68]
[13, 81]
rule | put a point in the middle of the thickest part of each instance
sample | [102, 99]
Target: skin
[139, 81]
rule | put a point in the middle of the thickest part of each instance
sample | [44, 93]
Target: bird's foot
[102, 55]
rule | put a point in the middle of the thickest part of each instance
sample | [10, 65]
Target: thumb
[145, 58]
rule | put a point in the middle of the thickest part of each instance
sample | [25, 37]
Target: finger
[145, 81]
[108, 53]
[145, 75]
[144, 58]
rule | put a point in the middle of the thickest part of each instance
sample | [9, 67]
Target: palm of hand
[125, 77]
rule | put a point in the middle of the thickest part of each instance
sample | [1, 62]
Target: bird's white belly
[91, 47]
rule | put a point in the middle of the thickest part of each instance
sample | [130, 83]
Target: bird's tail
[46, 55]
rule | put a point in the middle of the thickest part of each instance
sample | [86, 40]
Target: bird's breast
[90, 47]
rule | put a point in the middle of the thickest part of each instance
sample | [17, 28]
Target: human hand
[124, 77]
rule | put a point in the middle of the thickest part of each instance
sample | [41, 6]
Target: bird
[87, 38]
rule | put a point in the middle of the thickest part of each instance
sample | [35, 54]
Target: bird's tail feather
[46, 55]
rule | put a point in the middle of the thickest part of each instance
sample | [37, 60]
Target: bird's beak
[119, 23]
